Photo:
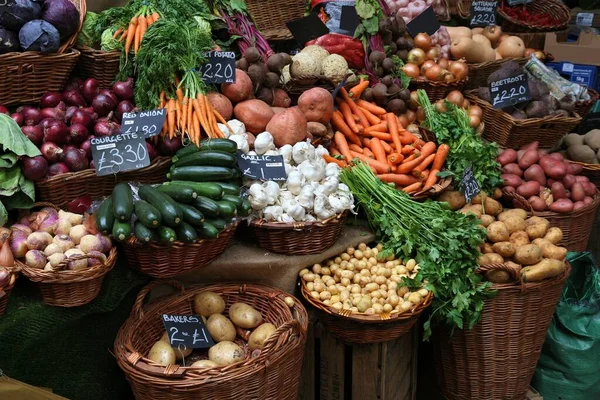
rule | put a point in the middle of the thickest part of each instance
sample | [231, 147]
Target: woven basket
[436, 90]
[274, 374]
[295, 87]
[554, 8]
[271, 16]
[300, 237]
[6, 290]
[583, 107]
[502, 128]
[497, 358]
[479, 73]
[165, 261]
[576, 226]
[592, 171]
[365, 328]
[63, 188]
[98, 64]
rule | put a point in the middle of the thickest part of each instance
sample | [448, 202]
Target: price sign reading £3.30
[510, 91]
[119, 153]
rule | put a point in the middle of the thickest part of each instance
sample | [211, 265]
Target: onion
[423, 41]
[87, 146]
[74, 84]
[110, 94]
[435, 73]
[76, 160]
[151, 151]
[474, 121]
[78, 133]
[33, 133]
[416, 56]
[79, 205]
[45, 123]
[74, 98]
[476, 110]
[125, 106]
[103, 104]
[69, 147]
[31, 116]
[56, 132]
[83, 118]
[433, 53]
[124, 90]
[4, 110]
[426, 65]
[70, 111]
[105, 128]
[459, 69]
[411, 70]
[91, 88]
[51, 99]
[169, 147]
[18, 243]
[35, 168]
[52, 152]
[456, 97]
[18, 118]
[54, 113]
[62, 106]
[443, 62]
[57, 169]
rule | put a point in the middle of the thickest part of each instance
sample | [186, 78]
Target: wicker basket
[592, 171]
[6, 290]
[295, 87]
[497, 358]
[365, 328]
[272, 375]
[166, 261]
[583, 107]
[271, 16]
[298, 238]
[436, 90]
[554, 8]
[502, 128]
[98, 64]
[479, 73]
[63, 188]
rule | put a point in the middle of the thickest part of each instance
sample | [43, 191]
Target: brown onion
[456, 97]
[459, 69]
[411, 70]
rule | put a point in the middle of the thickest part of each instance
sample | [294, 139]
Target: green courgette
[237, 200]
[121, 230]
[186, 233]
[211, 190]
[105, 217]
[143, 233]
[227, 209]
[202, 173]
[229, 188]
[179, 193]
[165, 234]
[208, 207]
[147, 214]
[208, 231]
[246, 208]
[226, 145]
[191, 215]
[185, 151]
[212, 157]
[122, 202]
[171, 215]
[219, 223]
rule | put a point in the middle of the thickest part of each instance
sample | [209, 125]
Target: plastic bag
[568, 368]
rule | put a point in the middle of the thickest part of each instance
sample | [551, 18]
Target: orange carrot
[379, 135]
[196, 125]
[221, 120]
[149, 21]
[372, 118]
[407, 167]
[130, 35]
[425, 175]
[428, 149]
[196, 103]
[381, 168]
[342, 145]
[407, 149]
[155, 16]
[413, 188]
[353, 106]
[371, 107]
[334, 151]
[381, 127]
[330, 159]
[356, 148]
[338, 122]
[366, 142]
[399, 179]
[357, 90]
[171, 117]
[117, 33]
[138, 35]
[378, 150]
[348, 117]
[431, 179]
[440, 156]
[393, 127]
[388, 149]
[124, 35]
[190, 113]
[424, 164]
[367, 152]
[395, 158]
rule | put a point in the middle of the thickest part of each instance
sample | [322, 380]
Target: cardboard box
[585, 75]
[586, 50]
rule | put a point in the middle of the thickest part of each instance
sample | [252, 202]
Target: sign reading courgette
[119, 153]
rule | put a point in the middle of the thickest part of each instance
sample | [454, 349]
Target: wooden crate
[334, 370]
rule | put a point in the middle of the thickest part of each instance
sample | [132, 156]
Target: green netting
[69, 349]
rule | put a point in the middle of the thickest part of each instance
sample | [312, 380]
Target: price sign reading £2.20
[220, 67]
[469, 185]
[483, 13]
[509, 91]
[119, 153]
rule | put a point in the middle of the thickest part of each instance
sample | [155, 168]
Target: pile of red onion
[66, 122]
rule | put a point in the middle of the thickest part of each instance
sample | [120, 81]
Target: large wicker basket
[554, 8]
[365, 328]
[98, 64]
[436, 90]
[63, 188]
[479, 73]
[7, 289]
[271, 16]
[166, 261]
[583, 107]
[592, 171]
[272, 375]
[502, 128]
[298, 238]
[497, 358]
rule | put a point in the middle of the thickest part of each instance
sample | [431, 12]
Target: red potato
[317, 105]
[528, 158]
[582, 178]
[574, 169]
[558, 191]
[588, 200]
[550, 182]
[240, 90]
[221, 103]
[553, 169]
[578, 205]
[542, 153]
[535, 173]
[533, 145]
[568, 181]
[511, 180]
[562, 206]
[528, 189]
[537, 203]
[255, 114]
[508, 156]
[512, 168]
[509, 189]
[577, 192]
[589, 188]
[557, 156]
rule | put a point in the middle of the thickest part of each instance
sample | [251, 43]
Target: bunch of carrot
[376, 137]
[134, 34]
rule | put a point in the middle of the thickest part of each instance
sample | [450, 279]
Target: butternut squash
[458, 31]
[481, 39]
[511, 47]
[471, 51]
[493, 33]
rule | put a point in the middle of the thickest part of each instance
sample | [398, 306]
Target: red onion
[18, 118]
[92, 165]
[103, 104]
[35, 168]
[57, 169]
[76, 160]
[151, 151]
[125, 106]
[111, 94]
[31, 116]
[45, 123]
[51, 99]
[91, 88]
[70, 111]
[62, 106]
[169, 147]
[79, 205]
[124, 90]
[33, 133]
[52, 152]
[105, 128]
[74, 98]
[69, 147]
[56, 132]
[54, 113]
[78, 133]
[87, 146]
[82, 118]
[74, 84]
[3, 110]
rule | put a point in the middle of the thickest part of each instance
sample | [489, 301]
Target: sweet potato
[255, 114]
[281, 98]
[317, 105]
[240, 90]
[544, 269]
[221, 103]
[288, 127]
[316, 129]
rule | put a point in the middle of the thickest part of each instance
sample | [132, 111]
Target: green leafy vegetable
[87, 36]
[12, 139]
[369, 12]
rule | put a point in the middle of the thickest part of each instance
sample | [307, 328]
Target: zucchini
[237, 200]
[165, 234]
[143, 233]
[105, 217]
[225, 145]
[211, 190]
[208, 207]
[246, 208]
[219, 223]
[179, 193]
[229, 188]
[122, 202]
[186, 233]
[212, 157]
[147, 214]
[121, 230]
[185, 151]
[208, 231]
[202, 173]
[191, 215]
[171, 215]
[227, 209]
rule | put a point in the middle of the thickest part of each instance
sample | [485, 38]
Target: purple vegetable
[14, 14]
[35, 168]
[63, 15]
[76, 160]
[9, 41]
[39, 35]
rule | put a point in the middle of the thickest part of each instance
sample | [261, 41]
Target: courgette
[179, 193]
[121, 230]
[219, 223]
[165, 234]
[229, 188]
[105, 217]
[208, 231]
[226, 145]
[237, 200]
[227, 209]
[143, 233]
[147, 214]
[186, 233]
[185, 151]
[201, 173]
[171, 215]
[246, 208]
[212, 157]
[208, 207]
[211, 190]
[191, 215]
[122, 202]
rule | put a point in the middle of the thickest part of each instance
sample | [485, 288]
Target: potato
[505, 249]
[497, 276]
[498, 232]
[455, 199]
[528, 189]
[515, 224]
[484, 259]
[549, 250]
[511, 213]
[511, 180]
[554, 235]
[162, 353]
[486, 220]
[492, 207]
[528, 158]
[475, 209]
[317, 105]
[487, 248]
[208, 303]
[225, 353]
[528, 255]
[204, 364]
[220, 328]
[245, 316]
[546, 268]
[260, 335]
[494, 258]
[519, 238]
[180, 353]
[537, 230]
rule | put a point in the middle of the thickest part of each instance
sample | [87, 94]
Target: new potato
[505, 249]
[511, 213]
[528, 255]
[546, 268]
[554, 235]
[519, 238]
[515, 224]
[498, 232]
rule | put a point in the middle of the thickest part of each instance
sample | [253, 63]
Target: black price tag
[187, 331]
[483, 13]
[591, 121]
[264, 168]
[150, 123]
[220, 67]
[119, 153]
[510, 91]
[425, 22]
[349, 20]
[469, 185]
[307, 28]
[517, 2]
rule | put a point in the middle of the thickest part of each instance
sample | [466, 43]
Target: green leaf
[371, 25]
[11, 138]
[238, 5]
[27, 188]
[18, 200]
[7, 160]
[365, 9]
[3, 215]
[9, 178]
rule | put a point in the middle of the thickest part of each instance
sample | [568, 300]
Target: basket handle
[514, 272]
[63, 264]
[293, 326]
[137, 310]
[512, 194]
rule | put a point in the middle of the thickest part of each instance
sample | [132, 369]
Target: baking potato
[225, 353]
[180, 353]
[497, 276]
[260, 335]
[511, 213]
[495, 258]
[162, 353]
[537, 220]
[554, 235]
[545, 269]
[245, 316]
[208, 303]
[498, 232]
[519, 238]
[550, 250]
[484, 259]
[479, 198]
[456, 200]
[475, 209]
[204, 364]
[528, 255]
[492, 207]
[487, 248]
[486, 220]
[505, 249]
[220, 328]
[515, 224]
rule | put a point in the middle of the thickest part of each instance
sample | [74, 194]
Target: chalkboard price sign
[425, 22]
[220, 67]
[510, 91]
[149, 123]
[517, 2]
[187, 331]
[264, 168]
[483, 13]
[119, 153]
[469, 185]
